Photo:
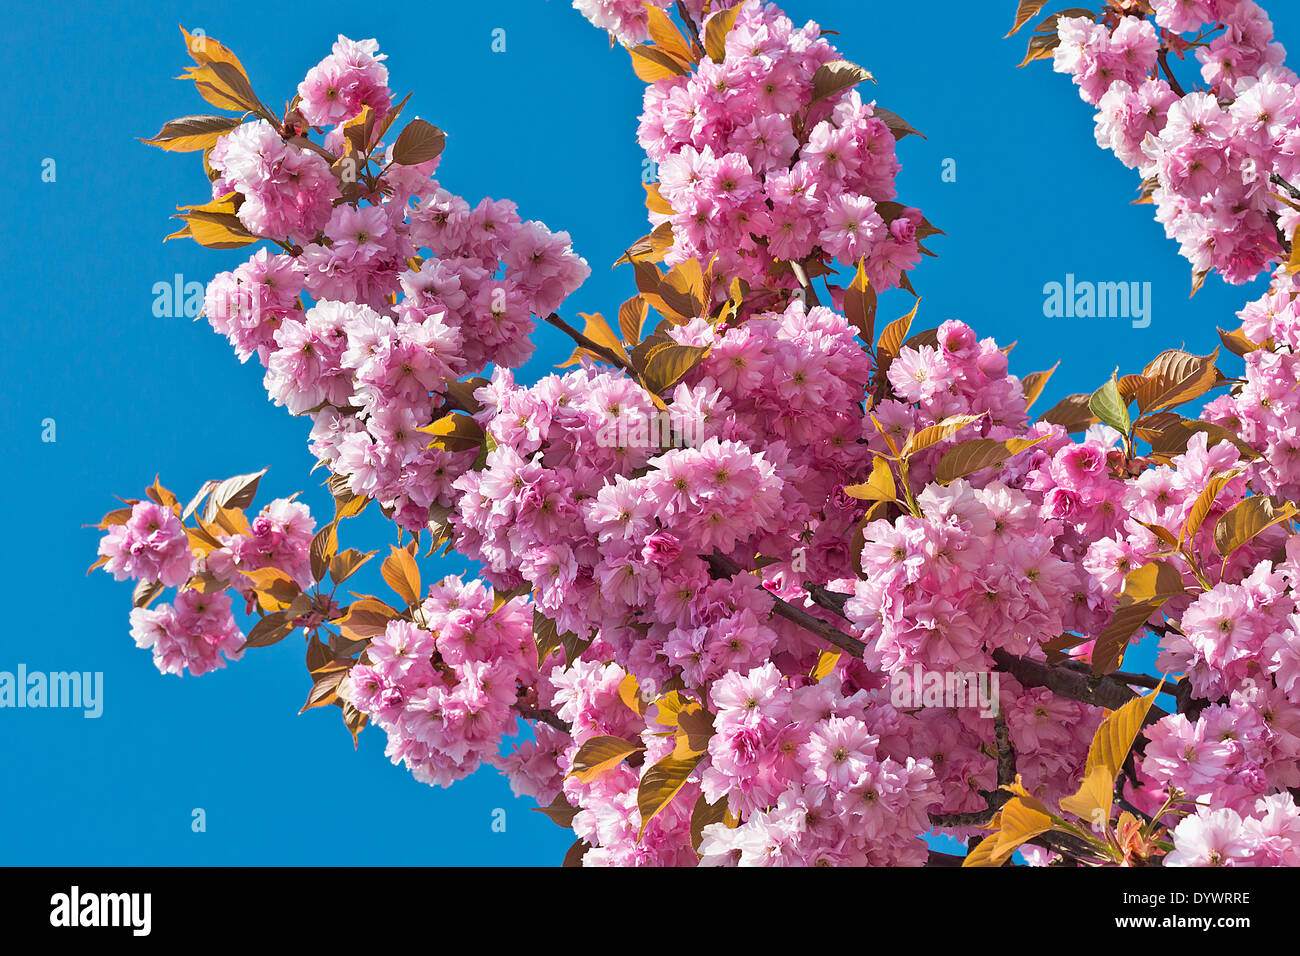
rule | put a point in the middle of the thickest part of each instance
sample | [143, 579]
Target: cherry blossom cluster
[776, 539]
[443, 689]
[791, 383]
[608, 817]
[626, 20]
[152, 546]
[1206, 155]
[1267, 835]
[1265, 412]
[758, 170]
[555, 510]
[412, 287]
[814, 776]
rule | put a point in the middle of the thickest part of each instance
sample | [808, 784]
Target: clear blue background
[551, 124]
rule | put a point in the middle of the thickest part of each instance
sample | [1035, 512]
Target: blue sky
[549, 123]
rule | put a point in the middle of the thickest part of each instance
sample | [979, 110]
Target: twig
[1066, 844]
[607, 354]
[975, 818]
[1169, 73]
[690, 23]
[723, 567]
[545, 716]
[1006, 753]
[996, 798]
[1277, 180]
[937, 858]
[801, 276]
[833, 601]
[1124, 804]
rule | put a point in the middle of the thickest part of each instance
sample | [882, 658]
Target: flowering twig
[723, 567]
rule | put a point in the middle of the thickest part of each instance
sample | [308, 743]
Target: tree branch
[943, 859]
[1124, 677]
[1087, 688]
[723, 567]
[833, 601]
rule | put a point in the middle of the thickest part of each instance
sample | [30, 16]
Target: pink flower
[851, 226]
[350, 78]
[152, 546]
[1210, 838]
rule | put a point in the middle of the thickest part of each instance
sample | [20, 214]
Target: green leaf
[1110, 408]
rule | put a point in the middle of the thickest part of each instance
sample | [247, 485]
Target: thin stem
[691, 25]
[801, 276]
